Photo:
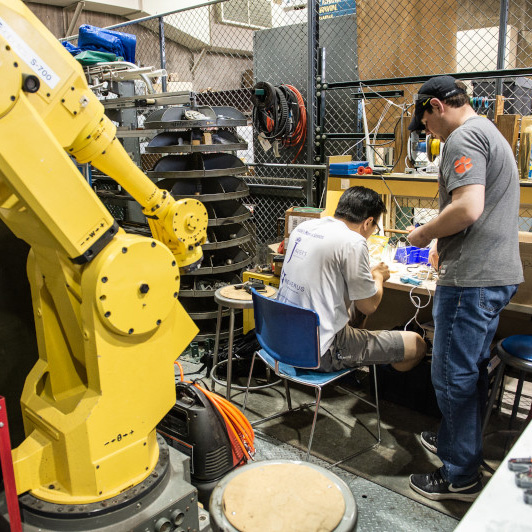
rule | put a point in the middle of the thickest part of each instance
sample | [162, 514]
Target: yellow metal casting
[108, 330]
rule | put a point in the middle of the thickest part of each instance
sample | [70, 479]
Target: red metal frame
[7, 469]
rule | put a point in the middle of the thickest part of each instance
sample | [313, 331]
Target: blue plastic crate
[350, 168]
[412, 255]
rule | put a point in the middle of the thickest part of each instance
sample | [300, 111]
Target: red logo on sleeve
[462, 165]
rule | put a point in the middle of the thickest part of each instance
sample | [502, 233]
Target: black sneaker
[434, 487]
[429, 440]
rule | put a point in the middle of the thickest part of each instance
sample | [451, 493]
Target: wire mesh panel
[409, 211]
[525, 218]
[398, 39]
[221, 50]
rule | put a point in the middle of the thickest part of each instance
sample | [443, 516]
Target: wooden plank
[508, 125]
[340, 159]
[525, 145]
[401, 146]
[499, 107]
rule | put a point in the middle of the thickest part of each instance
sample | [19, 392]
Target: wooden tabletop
[429, 286]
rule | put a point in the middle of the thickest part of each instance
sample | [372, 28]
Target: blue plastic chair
[290, 341]
[514, 351]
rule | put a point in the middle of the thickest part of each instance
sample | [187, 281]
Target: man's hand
[418, 238]
[433, 255]
[381, 270]
[380, 274]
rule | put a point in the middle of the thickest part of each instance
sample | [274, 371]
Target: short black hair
[447, 89]
[359, 203]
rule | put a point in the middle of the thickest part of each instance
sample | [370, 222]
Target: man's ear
[437, 104]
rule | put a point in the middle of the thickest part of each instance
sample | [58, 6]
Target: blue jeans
[465, 322]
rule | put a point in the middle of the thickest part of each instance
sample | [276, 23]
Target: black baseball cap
[440, 87]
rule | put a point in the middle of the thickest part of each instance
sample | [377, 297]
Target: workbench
[396, 308]
[410, 185]
[500, 505]
[394, 283]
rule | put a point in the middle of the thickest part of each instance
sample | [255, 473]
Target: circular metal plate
[181, 142]
[11, 77]
[129, 497]
[136, 286]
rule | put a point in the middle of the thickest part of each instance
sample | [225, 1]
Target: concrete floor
[379, 477]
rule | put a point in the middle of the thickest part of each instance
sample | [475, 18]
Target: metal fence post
[162, 48]
[501, 52]
[313, 29]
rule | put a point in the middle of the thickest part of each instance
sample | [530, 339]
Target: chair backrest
[287, 333]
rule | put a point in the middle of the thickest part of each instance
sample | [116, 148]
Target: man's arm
[380, 273]
[466, 207]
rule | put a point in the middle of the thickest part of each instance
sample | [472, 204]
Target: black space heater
[196, 428]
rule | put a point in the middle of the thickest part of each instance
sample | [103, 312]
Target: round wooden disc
[231, 292]
[283, 497]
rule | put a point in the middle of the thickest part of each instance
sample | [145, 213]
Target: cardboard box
[266, 278]
[524, 292]
[278, 261]
[296, 215]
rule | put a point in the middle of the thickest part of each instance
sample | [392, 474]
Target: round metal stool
[282, 495]
[232, 297]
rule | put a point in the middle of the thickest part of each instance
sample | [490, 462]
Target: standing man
[479, 270]
[327, 267]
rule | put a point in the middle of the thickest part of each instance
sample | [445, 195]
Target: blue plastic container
[412, 255]
[350, 168]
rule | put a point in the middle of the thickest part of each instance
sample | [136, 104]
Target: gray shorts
[353, 347]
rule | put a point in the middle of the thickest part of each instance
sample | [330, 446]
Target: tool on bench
[410, 280]
[257, 285]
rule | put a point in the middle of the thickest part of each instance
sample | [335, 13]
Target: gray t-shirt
[487, 252]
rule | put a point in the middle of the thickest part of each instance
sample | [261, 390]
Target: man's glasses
[420, 96]
[377, 228]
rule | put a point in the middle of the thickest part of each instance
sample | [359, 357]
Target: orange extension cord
[240, 430]
[300, 133]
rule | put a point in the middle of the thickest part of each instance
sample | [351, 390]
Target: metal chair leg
[230, 354]
[517, 398]
[216, 344]
[493, 395]
[317, 407]
[374, 369]
[249, 382]
[287, 391]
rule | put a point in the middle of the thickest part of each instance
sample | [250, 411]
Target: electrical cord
[416, 301]
[239, 428]
[299, 134]
[279, 114]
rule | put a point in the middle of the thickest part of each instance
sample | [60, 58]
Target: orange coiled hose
[238, 426]
[300, 133]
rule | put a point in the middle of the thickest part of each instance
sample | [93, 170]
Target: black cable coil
[276, 112]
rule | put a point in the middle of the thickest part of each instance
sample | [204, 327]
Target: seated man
[327, 267]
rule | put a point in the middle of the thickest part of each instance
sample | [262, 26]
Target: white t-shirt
[326, 267]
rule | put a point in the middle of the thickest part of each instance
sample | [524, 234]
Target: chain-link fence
[384, 48]
[409, 211]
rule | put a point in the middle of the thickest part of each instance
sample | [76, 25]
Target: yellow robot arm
[43, 79]
[108, 322]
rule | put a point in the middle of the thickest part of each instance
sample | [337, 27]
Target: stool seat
[519, 345]
[282, 495]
